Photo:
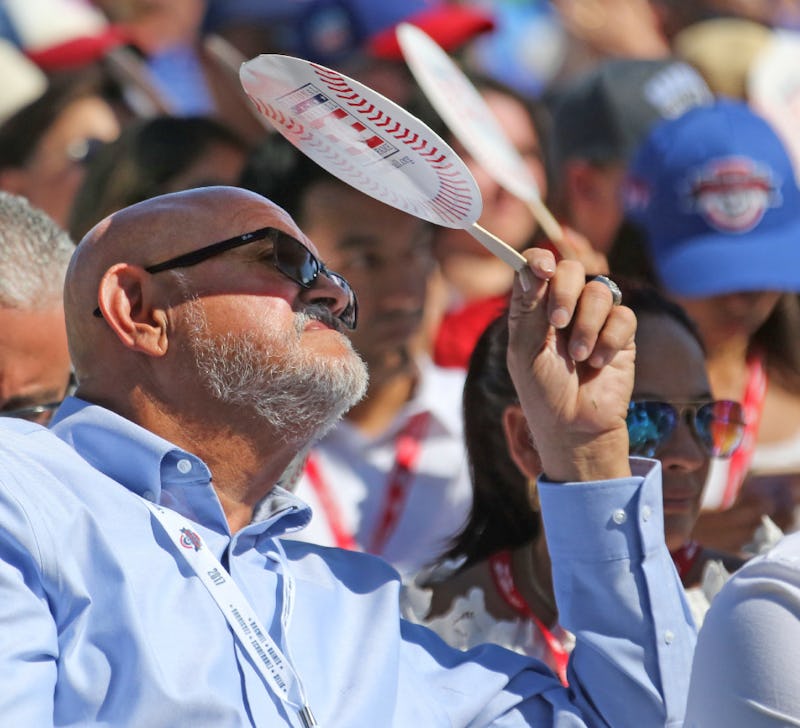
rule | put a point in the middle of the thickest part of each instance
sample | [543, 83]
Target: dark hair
[778, 339]
[645, 299]
[501, 517]
[628, 255]
[281, 173]
[142, 162]
[21, 133]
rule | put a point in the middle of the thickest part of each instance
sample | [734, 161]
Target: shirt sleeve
[618, 592]
[745, 671]
[28, 639]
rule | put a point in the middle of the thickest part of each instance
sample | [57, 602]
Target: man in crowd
[599, 118]
[142, 580]
[391, 478]
[34, 360]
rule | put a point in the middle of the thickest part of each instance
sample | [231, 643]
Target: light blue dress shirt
[103, 623]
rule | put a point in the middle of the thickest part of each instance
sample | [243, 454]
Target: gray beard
[298, 393]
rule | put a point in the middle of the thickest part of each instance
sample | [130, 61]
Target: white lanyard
[269, 659]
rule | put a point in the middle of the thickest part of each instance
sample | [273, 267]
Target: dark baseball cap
[603, 115]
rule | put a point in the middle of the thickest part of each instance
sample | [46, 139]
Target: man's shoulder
[770, 579]
[354, 569]
[38, 466]
[12, 428]
[782, 559]
[26, 444]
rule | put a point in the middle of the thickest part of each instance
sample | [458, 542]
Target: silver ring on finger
[616, 294]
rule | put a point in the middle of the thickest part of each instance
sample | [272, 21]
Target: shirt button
[184, 466]
[149, 496]
[669, 636]
[646, 513]
[619, 516]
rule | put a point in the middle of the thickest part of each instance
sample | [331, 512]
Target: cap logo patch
[732, 194]
[675, 90]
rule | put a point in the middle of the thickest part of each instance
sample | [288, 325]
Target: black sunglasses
[717, 425]
[289, 256]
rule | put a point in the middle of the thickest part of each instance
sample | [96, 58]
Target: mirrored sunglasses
[718, 425]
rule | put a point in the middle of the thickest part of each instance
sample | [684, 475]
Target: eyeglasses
[717, 425]
[40, 413]
[288, 255]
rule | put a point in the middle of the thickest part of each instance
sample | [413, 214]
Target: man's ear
[519, 442]
[127, 300]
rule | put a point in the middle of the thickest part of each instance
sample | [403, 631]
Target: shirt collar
[155, 469]
[120, 449]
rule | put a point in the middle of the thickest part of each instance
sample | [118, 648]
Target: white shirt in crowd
[359, 475]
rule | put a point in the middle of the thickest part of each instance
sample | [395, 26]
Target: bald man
[142, 578]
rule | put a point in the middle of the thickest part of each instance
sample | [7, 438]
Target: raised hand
[571, 245]
[571, 357]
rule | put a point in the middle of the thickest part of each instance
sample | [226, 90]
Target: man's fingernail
[560, 318]
[580, 351]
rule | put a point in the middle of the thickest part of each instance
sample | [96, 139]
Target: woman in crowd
[501, 590]
[45, 146]
[716, 198]
[152, 157]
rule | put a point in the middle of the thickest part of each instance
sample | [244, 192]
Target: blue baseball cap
[715, 193]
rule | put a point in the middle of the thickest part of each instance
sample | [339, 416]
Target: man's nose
[328, 291]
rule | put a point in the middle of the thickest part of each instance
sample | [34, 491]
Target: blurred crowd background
[614, 104]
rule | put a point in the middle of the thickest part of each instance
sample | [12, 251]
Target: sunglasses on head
[288, 255]
[717, 425]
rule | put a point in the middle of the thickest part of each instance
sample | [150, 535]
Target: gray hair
[34, 253]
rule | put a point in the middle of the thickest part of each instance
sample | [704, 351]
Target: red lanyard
[503, 578]
[341, 536]
[753, 405]
[685, 557]
[408, 446]
[407, 449]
